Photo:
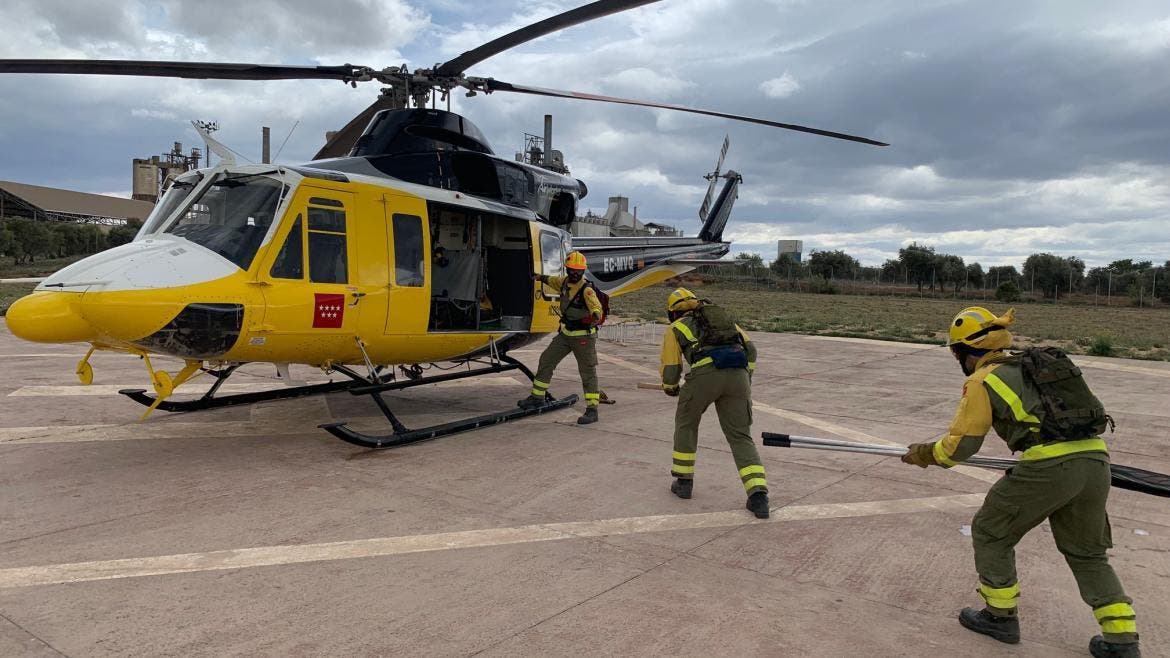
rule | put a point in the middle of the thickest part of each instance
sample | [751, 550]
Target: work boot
[530, 402]
[757, 504]
[1101, 648]
[590, 416]
[682, 487]
[1004, 629]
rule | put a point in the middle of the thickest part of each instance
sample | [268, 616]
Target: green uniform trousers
[584, 348]
[730, 390]
[1070, 492]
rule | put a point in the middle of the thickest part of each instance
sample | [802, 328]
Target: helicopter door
[409, 290]
[310, 293]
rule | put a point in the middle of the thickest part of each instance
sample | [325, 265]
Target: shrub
[1007, 292]
[1102, 346]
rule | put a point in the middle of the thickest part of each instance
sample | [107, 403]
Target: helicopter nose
[49, 317]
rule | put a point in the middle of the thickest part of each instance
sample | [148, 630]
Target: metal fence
[627, 333]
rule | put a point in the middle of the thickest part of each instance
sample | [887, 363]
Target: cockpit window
[174, 197]
[231, 216]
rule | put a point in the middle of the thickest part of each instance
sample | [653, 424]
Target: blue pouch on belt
[727, 356]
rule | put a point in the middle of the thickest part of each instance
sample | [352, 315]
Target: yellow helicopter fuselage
[341, 260]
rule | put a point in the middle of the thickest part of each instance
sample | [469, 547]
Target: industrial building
[618, 221]
[791, 248]
[56, 205]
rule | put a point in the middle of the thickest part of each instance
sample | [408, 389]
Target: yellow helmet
[679, 295]
[575, 261]
[978, 327]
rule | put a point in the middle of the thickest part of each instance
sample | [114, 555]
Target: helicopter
[405, 241]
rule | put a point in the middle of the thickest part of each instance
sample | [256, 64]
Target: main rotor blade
[547, 26]
[198, 70]
[496, 85]
[343, 140]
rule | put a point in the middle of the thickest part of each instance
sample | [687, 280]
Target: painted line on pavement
[265, 556]
[626, 364]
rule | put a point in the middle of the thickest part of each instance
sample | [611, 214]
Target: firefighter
[581, 310]
[721, 360]
[1064, 481]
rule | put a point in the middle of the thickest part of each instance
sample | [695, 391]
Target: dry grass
[1136, 333]
[10, 292]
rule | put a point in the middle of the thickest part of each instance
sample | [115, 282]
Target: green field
[1123, 331]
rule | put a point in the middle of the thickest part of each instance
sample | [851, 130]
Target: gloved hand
[920, 454]
[536, 276]
[672, 391]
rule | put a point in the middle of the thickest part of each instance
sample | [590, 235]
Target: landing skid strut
[403, 435]
[209, 401]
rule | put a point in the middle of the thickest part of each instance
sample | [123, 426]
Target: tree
[123, 234]
[33, 239]
[893, 271]
[950, 269]
[975, 275]
[999, 274]
[918, 261]
[787, 267]
[1052, 273]
[7, 241]
[832, 264]
[1162, 290]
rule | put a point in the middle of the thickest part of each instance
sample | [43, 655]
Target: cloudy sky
[1014, 127]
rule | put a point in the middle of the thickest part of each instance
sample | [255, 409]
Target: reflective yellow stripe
[750, 470]
[701, 362]
[1118, 626]
[592, 396]
[1114, 610]
[941, 457]
[1003, 598]
[683, 470]
[751, 365]
[536, 383]
[683, 456]
[573, 333]
[755, 482]
[1095, 444]
[1009, 396]
[685, 331]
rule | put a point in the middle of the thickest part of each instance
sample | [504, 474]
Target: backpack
[719, 338]
[1071, 411]
[602, 298]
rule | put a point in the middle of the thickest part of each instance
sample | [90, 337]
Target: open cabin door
[408, 236]
[481, 271]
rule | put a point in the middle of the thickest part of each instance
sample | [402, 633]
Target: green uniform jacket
[681, 341]
[996, 395]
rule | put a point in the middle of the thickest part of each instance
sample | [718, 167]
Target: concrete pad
[247, 530]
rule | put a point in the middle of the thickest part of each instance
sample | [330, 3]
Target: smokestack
[266, 141]
[547, 139]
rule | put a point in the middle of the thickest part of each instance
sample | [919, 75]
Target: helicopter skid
[140, 396]
[403, 436]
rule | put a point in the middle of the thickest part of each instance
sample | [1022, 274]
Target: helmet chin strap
[962, 351]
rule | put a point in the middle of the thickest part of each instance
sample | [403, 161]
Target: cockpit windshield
[231, 216]
[174, 197]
